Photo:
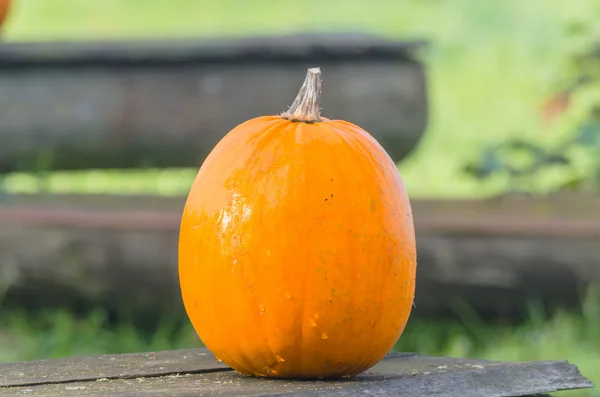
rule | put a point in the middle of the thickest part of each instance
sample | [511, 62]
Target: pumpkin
[297, 254]
[4, 8]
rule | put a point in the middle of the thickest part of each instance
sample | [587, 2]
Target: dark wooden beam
[166, 104]
[494, 255]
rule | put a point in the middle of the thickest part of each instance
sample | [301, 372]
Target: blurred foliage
[522, 163]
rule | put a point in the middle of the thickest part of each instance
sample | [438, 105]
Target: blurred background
[491, 110]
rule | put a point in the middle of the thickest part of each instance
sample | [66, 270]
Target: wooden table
[196, 372]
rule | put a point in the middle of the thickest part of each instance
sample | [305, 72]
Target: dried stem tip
[306, 105]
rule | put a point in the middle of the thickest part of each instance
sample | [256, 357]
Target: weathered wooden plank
[166, 104]
[121, 366]
[397, 374]
[122, 252]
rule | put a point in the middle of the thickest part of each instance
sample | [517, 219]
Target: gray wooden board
[108, 366]
[199, 374]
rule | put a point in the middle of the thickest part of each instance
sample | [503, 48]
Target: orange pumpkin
[4, 8]
[297, 254]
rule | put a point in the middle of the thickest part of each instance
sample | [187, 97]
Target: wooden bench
[166, 103]
[196, 372]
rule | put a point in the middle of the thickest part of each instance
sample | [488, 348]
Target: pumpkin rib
[264, 139]
[348, 147]
[310, 329]
[303, 317]
[273, 354]
[270, 359]
[352, 142]
[297, 135]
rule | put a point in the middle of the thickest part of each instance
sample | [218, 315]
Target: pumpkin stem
[306, 105]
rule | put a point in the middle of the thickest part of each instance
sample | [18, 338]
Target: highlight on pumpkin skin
[306, 106]
[297, 253]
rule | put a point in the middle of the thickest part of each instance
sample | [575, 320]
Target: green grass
[564, 336]
[489, 67]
